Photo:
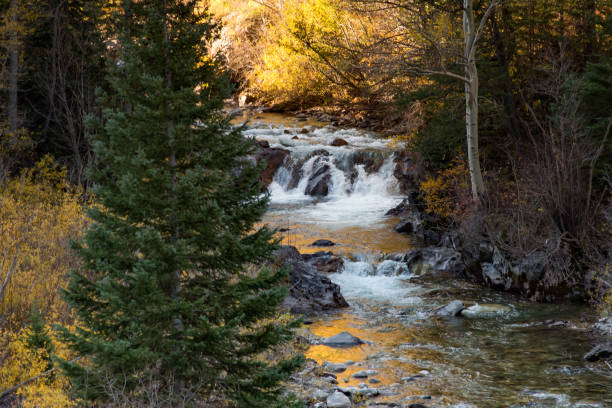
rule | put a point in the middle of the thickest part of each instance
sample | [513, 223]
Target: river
[506, 352]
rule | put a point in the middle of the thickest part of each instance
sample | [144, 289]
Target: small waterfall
[348, 184]
[335, 174]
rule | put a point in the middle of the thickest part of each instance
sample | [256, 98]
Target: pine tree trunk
[13, 69]
[471, 101]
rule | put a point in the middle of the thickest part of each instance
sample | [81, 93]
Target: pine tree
[38, 338]
[164, 291]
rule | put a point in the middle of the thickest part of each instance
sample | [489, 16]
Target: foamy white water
[354, 196]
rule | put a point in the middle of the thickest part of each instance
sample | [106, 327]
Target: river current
[505, 352]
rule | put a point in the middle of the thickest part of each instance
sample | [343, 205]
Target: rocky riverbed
[426, 338]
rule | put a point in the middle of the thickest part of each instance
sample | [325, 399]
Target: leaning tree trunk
[471, 100]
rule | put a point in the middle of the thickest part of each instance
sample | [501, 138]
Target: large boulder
[274, 158]
[325, 261]
[318, 182]
[309, 291]
[435, 260]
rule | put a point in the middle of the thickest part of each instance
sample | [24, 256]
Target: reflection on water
[503, 354]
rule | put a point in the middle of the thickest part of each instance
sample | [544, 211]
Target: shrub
[21, 360]
[448, 193]
[39, 216]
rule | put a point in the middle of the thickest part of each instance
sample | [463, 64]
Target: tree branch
[483, 20]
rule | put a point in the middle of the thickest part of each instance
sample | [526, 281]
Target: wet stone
[331, 375]
[323, 243]
[335, 367]
[262, 143]
[364, 373]
[374, 381]
[454, 308]
[411, 378]
[339, 142]
[343, 339]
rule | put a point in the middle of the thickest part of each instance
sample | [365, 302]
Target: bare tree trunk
[470, 36]
[13, 68]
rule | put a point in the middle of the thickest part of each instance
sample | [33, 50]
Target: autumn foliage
[447, 194]
[39, 215]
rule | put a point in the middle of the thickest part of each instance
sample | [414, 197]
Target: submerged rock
[309, 292]
[338, 400]
[364, 374]
[485, 310]
[323, 243]
[343, 339]
[599, 352]
[454, 308]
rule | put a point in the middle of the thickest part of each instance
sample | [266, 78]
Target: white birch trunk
[471, 98]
